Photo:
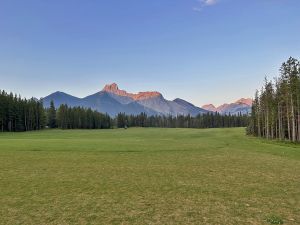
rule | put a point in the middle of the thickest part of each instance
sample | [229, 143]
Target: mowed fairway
[147, 176]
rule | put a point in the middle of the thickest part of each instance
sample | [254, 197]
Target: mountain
[112, 100]
[107, 103]
[193, 110]
[150, 100]
[245, 101]
[114, 89]
[242, 105]
[60, 98]
[210, 107]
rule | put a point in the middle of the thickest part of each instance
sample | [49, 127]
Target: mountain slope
[192, 109]
[60, 98]
[106, 103]
[163, 106]
[210, 107]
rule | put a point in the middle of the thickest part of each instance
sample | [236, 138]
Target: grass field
[147, 176]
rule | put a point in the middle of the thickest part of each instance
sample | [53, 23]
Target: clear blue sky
[211, 51]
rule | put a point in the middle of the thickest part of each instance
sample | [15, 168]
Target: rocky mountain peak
[245, 101]
[113, 88]
[209, 107]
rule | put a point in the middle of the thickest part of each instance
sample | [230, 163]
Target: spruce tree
[52, 115]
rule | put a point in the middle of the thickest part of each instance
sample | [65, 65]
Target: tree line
[209, 120]
[276, 108]
[66, 117]
[17, 114]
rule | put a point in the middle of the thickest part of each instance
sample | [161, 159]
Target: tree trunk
[293, 121]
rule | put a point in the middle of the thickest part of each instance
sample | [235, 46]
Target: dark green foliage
[81, 118]
[121, 120]
[209, 120]
[276, 108]
[17, 114]
[51, 115]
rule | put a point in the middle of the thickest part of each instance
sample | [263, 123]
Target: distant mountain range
[112, 100]
[242, 105]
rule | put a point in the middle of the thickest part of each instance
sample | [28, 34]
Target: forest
[209, 120]
[77, 118]
[276, 108]
[17, 114]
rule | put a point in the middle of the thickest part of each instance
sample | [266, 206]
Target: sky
[204, 51]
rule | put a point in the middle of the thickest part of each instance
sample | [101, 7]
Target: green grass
[147, 176]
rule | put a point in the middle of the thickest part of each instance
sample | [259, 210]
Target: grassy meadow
[147, 176]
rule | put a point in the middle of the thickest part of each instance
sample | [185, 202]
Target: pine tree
[52, 115]
[276, 109]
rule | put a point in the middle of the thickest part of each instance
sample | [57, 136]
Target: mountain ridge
[112, 100]
[113, 88]
[242, 105]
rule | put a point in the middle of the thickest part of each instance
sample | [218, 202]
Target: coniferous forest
[77, 118]
[209, 120]
[276, 107]
[17, 114]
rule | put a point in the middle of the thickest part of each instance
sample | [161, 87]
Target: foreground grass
[147, 176]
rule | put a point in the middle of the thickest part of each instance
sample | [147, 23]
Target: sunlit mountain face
[242, 105]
